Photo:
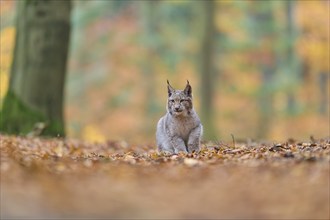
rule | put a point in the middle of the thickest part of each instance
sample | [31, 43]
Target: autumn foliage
[107, 83]
[121, 54]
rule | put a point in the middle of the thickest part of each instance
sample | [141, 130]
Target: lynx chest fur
[180, 130]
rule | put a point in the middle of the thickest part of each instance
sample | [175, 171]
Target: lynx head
[179, 102]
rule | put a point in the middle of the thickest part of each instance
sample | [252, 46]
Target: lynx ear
[170, 89]
[188, 90]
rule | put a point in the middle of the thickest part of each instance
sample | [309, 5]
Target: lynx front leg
[195, 139]
[178, 145]
[166, 148]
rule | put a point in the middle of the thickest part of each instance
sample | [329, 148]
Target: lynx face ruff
[180, 129]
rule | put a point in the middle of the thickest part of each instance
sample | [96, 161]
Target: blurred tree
[264, 33]
[290, 56]
[324, 93]
[150, 42]
[207, 71]
[35, 96]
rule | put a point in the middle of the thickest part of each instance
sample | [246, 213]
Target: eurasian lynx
[180, 129]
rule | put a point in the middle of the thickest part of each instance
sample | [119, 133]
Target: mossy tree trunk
[38, 71]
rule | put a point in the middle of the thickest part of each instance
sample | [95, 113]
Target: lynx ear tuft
[188, 90]
[170, 89]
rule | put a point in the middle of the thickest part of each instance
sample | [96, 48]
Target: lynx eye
[172, 101]
[183, 100]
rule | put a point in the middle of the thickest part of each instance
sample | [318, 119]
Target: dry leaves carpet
[56, 178]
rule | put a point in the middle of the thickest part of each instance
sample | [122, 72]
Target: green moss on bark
[18, 118]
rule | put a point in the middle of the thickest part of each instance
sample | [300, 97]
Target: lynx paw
[193, 148]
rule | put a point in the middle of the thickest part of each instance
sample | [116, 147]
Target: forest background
[258, 70]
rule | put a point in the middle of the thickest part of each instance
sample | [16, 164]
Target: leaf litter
[42, 177]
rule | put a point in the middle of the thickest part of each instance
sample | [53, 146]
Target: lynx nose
[177, 108]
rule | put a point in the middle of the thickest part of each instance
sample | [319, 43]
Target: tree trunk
[266, 35]
[207, 71]
[265, 102]
[324, 93]
[149, 24]
[290, 55]
[38, 71]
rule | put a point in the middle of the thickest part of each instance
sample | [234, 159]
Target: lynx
[180, 130]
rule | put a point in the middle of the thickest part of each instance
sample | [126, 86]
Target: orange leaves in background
[93, 134]
[7, 38]
[107, 86]
[313, 44]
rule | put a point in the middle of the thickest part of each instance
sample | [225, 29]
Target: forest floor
[56, 178]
